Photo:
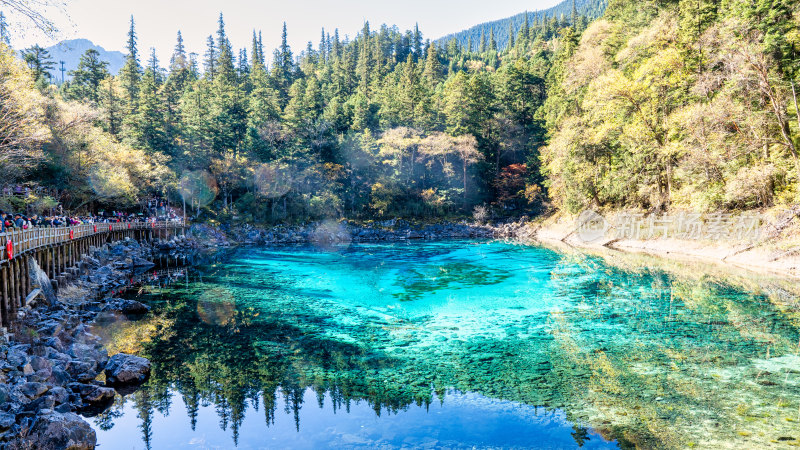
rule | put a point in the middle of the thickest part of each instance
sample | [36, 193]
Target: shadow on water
[644, 357]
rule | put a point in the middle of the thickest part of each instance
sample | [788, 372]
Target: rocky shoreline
[53, 369]
[348, 231]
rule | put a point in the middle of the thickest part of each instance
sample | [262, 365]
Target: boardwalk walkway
[56, 251]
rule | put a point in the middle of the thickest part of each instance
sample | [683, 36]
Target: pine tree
[433, 69]
[417, 43]
[109, 100]
[573, 15]
[243, 66]
[365, 63]
[283, 68]
[261, 57]
[178, 61]
[211, 56]
[224, 66]
[323, 48]
[131, 72]
[255, 53]
[482, 46]
[153, 67]
[526, 29]
[469, 44]
[39, 61]
[148, 130]
[180, 74]
[492, 42]
[5, 36]
[263, 108]
[87, 76]
[510, 36]
[337, 45]
[524, 33]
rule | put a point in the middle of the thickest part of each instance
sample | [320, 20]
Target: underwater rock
[133, 308]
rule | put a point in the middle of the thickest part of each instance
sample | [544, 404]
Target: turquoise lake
[458, 344]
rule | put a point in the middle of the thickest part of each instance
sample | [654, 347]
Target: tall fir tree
[417, 42]
[365, 63]
[86, 78]
[283, 68]
[433, 69]
[39, 61]
[178, 60]
[131, 72]
[225, 66]
[210, 58]
[5, 36]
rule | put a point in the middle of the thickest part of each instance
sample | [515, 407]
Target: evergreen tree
[525, 33]
[510, 36]
[110, 102]
[261, 56]
[211, 57]
[131, 72]
[492, 42]
[39, 61]
[283, 68]
[573, 20]
[179, 60]
[417, 43]
[224, 66]
[482, 46]
[243, 66]
[155, 69]
[365, 63]
[86, 78]
[323, 48]
[433, 69]
[5, 36]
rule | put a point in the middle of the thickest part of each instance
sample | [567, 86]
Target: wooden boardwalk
[57, 250]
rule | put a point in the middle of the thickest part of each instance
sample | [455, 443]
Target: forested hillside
[380, 126]
[656, 104]
[504, 30]
[689, 103]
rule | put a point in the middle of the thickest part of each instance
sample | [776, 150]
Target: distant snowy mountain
[70, 52]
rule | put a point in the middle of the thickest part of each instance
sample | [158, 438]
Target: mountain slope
[590, 8]
[70, 52]
[684, 104]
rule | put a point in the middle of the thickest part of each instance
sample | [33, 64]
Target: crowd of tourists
[12, 221]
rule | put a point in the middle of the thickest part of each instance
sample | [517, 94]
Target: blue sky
[105, 22]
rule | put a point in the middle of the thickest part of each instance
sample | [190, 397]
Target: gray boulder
[133, 308]
[92, 394]
[141, 262]
[57, 431]
[123, 369]
[39, 280]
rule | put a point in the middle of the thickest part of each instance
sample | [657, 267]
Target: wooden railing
[23, 241]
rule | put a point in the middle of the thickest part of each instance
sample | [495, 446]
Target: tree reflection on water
[649, 358]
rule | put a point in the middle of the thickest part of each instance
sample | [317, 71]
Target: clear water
[458, 344]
